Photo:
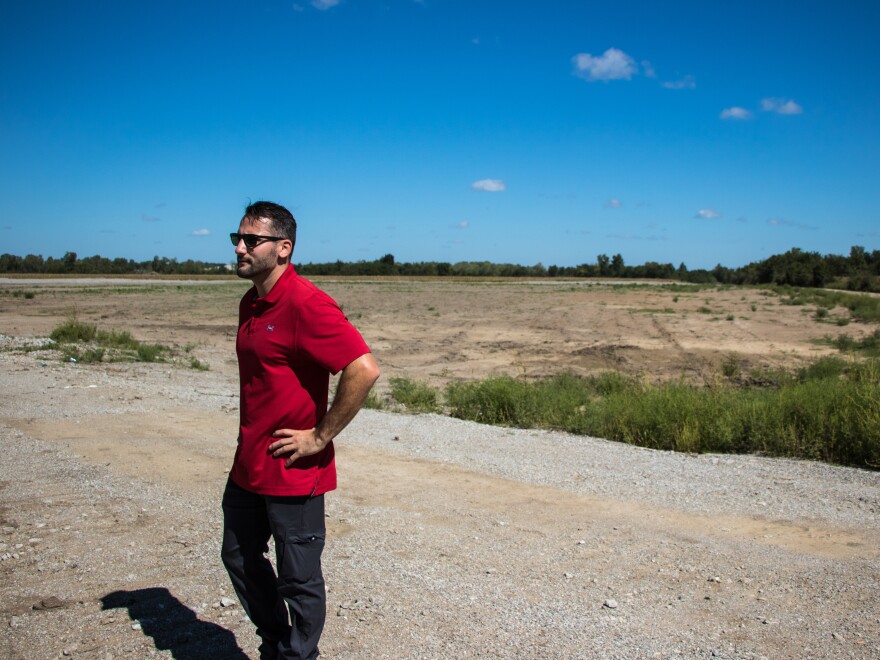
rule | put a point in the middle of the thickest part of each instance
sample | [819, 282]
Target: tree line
[97, 265]
[858, 271]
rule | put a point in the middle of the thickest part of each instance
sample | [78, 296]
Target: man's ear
[285, 249]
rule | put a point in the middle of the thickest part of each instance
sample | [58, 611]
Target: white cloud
[150, 218]
[781, 106]
[687, 82]
[613, 64]
[464, 224]
[200, 232]
[324, 4]
[735, 113]
[648, 69]
[707, 214]
[489, 185]
[614, 203]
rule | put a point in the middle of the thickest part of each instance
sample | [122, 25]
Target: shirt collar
[278, 288]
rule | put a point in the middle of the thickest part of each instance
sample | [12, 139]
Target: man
[291, 337]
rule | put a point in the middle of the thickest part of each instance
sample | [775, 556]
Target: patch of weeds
[862, 307]
[416, 396]
[373, 401]
[753, 307]
[704, 310]
[195, 363]
[869, 345]
[27, 295]
[817, 416]
[119, 339]
[730, 367]
[730, 317]
[73, 330]
[675, 298]
[151, 352]
[85, 343]
[86, 355]
[826, 367]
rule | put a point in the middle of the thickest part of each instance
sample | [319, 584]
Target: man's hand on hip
[355, 382]
[292, 444]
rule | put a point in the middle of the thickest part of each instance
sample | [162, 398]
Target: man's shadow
[173, 626]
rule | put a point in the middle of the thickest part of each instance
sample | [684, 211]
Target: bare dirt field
[446, 539]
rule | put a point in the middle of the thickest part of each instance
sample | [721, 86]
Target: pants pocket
[299, 559]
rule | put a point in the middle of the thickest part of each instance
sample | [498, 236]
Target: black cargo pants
[297, 526]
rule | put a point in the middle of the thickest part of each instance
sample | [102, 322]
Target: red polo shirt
[288, 344]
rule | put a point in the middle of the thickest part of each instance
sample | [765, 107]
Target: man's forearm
[355, 383]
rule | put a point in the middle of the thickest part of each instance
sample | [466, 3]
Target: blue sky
[442, 130]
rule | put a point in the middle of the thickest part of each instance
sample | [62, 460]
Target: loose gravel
[447, 539]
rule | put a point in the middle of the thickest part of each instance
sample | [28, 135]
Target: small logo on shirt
[270, 328]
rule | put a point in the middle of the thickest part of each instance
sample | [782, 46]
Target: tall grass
[416, 396]
[821, 413]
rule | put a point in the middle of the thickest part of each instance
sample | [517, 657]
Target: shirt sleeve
[326, 335]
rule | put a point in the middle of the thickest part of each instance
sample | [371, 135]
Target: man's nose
[240, 247]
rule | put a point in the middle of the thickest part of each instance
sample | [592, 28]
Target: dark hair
[283, 222]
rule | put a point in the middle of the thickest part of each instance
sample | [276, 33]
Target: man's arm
[355, 382]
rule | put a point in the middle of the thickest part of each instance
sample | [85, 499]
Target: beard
[251, 265]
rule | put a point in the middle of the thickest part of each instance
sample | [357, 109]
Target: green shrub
[121, 339]
[499, 400]
[195, 363]
[417, 397]
[72, 331]
[151, 352]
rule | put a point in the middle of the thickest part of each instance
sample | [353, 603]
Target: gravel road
[448, 539]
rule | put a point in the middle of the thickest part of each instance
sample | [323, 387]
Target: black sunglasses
[252, 240]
